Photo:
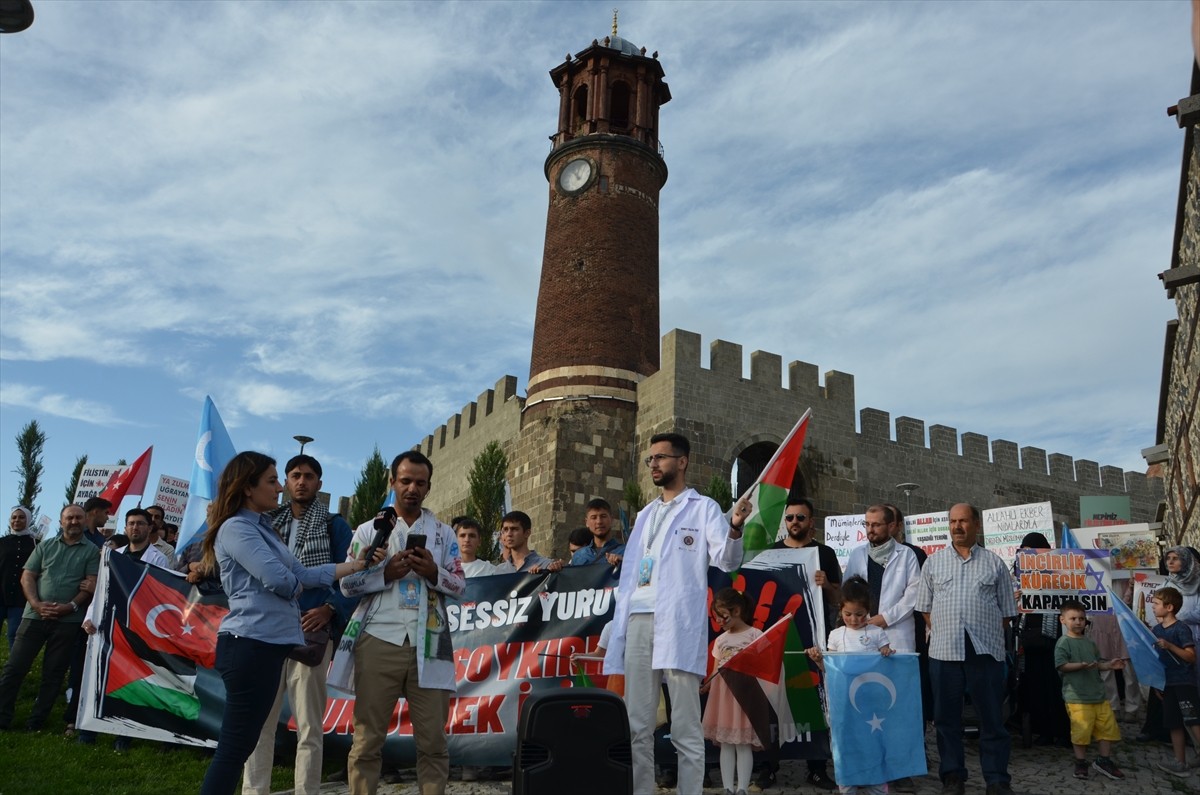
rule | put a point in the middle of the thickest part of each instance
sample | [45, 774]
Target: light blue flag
[1139, 640]
[875, 720]
[214, 449]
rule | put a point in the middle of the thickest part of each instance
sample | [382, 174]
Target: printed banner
[1004, 528]
[1130, 550]
[171, 495]
[844, 533]
[929, 531]
[1103, 511]
[1048, 577]
[1089, 538]
[148, 671]
[1144, 586]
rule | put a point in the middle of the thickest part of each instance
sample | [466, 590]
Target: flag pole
[782, 446]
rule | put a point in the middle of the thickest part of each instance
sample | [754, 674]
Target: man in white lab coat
[660, 629]
[893, 575]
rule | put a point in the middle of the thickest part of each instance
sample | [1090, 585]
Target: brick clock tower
[596, 333]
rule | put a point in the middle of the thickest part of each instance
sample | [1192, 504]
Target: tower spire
[614, 23]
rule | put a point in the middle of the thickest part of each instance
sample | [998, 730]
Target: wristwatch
[74, 606]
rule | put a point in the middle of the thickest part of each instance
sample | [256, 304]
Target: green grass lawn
[46, 763]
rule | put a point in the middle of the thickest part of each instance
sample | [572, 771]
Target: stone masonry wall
[1180, 414]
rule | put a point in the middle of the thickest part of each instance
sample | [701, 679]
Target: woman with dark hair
[1039, 689]
[261, 579]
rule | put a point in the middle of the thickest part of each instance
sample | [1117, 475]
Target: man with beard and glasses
[660, 628]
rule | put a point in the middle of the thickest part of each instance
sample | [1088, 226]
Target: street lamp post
[908, 489]
[303, 440]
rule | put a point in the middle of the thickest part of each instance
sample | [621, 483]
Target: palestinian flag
[769, 493]
[144, 683]
[774, 686]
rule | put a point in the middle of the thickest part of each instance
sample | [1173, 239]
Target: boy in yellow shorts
[1078, 662]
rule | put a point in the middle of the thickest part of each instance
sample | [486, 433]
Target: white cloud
[57, 405]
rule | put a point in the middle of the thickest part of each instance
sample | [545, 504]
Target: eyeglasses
[796, 517]
[651, 460]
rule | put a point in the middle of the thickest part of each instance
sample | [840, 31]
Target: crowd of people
[296, 576]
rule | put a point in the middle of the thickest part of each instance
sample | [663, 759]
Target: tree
[718, 489]
[73, 483]
[31, 441]
[485, 496]
[369, 490]
[634, 499]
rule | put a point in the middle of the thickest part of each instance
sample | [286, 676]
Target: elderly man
[967, 598]
[53, 617]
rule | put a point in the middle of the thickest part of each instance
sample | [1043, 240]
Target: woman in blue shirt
[262, 580]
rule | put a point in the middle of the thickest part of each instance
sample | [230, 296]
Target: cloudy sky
[330, 216]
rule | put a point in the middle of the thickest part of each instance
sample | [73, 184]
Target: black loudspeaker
[573, 740]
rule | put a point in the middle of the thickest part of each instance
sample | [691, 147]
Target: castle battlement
[875, 425]
[474, 415]
[681, 349]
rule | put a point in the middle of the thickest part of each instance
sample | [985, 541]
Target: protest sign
[1144, 586]
[1004, 528]
[1048, 577]
[1089, 538]
[93, 479]
[1102, 511]
[929, 531]
[1130, 550]
[171, 495]
[844, 533]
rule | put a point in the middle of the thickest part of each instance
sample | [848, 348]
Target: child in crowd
[1180, 699]
[854, 634]
[1078, 662]
[725, 722]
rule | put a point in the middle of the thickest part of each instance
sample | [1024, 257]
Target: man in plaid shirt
[966, 595]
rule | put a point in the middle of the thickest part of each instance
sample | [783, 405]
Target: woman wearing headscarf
[1039, 689]
[261, 579]
[1183, 574]
[15, 549]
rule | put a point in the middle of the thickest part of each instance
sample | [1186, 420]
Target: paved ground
[1035, 771]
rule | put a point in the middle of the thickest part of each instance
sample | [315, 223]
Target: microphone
[385, 522]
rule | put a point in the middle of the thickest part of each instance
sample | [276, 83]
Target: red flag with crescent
[165, 614]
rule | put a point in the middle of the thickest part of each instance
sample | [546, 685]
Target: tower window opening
[619, 101]
[579, 106]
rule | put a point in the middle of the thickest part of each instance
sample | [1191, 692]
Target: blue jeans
[250, 670]
[983, 676]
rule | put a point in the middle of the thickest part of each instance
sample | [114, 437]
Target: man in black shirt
[798, 521]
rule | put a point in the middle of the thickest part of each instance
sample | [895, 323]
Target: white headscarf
[28, 531]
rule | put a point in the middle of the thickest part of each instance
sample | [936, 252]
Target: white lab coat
[898, 595]
[697, 537]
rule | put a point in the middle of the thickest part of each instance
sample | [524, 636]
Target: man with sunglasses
[660, 628]
[799, 523]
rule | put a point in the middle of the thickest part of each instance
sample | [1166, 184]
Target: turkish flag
[131, 480]
[763, 658]
[166, 613]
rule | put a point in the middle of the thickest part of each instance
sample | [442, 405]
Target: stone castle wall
[577, 450]
[1181, 398]
[495, 416]
[846, 469]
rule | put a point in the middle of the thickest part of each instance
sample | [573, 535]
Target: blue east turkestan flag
[874, 717]
[1139, 640]
[214, 449]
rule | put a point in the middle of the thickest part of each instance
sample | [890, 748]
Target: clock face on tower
[575, 176]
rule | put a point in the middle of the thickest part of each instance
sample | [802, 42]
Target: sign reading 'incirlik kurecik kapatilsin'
[1049, 577]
